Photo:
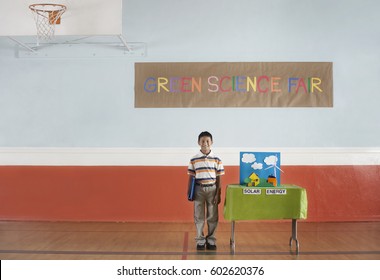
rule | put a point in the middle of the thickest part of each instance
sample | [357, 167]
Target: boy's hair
[203, 134]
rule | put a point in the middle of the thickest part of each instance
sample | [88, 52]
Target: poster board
[260, 169]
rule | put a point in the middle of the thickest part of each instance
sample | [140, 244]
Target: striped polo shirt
[205, 168]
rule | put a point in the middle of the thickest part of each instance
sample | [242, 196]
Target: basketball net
[46, 17]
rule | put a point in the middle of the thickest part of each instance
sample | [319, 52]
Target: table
[265, 203]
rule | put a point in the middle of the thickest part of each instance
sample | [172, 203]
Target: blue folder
[191, 189]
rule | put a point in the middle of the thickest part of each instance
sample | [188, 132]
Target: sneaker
[210, 246]
[200, 247]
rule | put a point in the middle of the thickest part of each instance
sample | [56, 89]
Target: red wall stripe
[158, 193]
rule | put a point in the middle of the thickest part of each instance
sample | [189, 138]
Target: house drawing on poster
[253, 180]
[272, 180]
[260, 169]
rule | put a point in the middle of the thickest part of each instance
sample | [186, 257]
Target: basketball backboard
[82, 17]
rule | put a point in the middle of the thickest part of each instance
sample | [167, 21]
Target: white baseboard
[179, 156]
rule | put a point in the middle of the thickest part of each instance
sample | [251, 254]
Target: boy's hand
[217, 198]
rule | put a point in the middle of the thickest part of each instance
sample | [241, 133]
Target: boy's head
[204, 134]
[205, 141]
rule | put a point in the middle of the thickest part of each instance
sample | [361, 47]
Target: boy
[207, 168]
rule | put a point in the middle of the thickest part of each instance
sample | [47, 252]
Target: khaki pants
[203, 203]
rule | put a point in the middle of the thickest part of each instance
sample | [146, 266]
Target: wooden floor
[175, 241]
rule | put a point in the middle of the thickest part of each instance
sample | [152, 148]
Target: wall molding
[178, 156]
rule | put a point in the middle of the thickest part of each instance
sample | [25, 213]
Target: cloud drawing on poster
[248, 158]
[257, 166]
[271, 160]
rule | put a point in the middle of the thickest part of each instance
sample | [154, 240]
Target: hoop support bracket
[80, 47]
[22, 44]
[122, 39]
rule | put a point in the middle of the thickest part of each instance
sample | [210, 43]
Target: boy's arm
[218, 184]
[189, 183]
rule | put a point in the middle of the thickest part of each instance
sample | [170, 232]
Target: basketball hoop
[46, 17]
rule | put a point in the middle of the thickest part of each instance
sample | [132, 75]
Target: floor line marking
[185, 245]
[51, 252]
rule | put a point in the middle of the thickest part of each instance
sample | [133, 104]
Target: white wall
[90, 102]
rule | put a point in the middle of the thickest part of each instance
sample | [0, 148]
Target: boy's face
[205, 143]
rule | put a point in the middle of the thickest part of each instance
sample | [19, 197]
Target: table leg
[232, 239]
[294, 236]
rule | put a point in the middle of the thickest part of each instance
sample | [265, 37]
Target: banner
[233, 84]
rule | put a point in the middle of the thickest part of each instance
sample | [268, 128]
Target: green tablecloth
[240, 206]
